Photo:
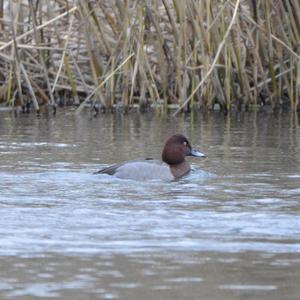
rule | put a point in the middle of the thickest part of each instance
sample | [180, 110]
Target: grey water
[229, 230]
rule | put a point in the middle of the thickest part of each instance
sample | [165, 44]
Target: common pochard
[172, 166]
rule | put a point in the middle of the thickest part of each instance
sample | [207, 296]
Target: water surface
[229, 230]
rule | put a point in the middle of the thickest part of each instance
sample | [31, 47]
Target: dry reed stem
[15, 65]
[214, 61]
[278, 40]
[38, 41]
[63, 54]
[72, 10]
[32, 93]
[79, 109]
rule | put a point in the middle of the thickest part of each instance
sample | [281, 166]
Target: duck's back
[140, 170]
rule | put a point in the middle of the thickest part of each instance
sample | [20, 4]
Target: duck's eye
[185, 143]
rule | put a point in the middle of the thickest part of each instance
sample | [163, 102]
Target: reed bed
[184, 54]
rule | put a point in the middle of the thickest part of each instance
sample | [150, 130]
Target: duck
[172, 165]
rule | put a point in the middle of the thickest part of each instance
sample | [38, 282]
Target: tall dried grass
[172, 53]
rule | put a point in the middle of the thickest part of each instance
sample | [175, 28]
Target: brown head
[177, 148]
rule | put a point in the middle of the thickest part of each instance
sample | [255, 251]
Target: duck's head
[177, 148]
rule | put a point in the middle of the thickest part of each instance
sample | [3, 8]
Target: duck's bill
[197, 153]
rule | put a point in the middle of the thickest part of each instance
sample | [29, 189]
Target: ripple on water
[248, 287]
[74, 211]
[21, 145]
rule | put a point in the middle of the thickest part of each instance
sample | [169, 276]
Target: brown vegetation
[182, 53]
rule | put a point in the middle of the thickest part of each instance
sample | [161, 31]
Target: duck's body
[135, 170]
[172, 166]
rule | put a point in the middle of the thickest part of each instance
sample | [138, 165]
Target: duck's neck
[181, 169]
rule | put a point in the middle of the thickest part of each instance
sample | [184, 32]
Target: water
[229, 230]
